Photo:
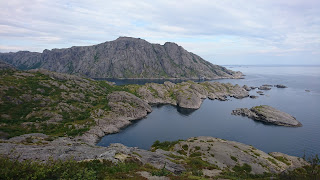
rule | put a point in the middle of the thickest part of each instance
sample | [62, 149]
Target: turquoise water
[214, 118]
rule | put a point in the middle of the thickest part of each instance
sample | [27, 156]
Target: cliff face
[124, 57]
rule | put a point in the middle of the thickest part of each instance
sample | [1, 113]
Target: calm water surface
[168, 123]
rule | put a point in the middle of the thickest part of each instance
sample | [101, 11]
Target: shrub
[165, 145]
[234, 158]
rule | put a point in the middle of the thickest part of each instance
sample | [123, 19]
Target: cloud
[210, 28]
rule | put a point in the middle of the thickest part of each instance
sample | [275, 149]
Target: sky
[223, 32]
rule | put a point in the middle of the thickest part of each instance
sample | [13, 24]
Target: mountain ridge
[125, 57]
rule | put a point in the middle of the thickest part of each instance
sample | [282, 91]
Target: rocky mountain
[4, 65]
[124, 57]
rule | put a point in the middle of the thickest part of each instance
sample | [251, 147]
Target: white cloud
[209, 28]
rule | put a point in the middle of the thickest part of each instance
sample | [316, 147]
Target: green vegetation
[165, 145]
[196, 163]
[185, 147]
[234, 158]
[161, 172]
[282, 159]
[273, 161]
[32, 102]
[70, 169]
[244, 172]
[307, 172]
[195, 154]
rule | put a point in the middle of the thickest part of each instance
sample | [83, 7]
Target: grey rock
[226, 154]
[125, 107]
[159, 161]
[246, 88]
[149, 176]
[268, 114]
[280, 86]
[264, 88]
[260, 92]
[253, 97]
[124, 57]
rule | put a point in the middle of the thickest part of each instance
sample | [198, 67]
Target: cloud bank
[222, 32]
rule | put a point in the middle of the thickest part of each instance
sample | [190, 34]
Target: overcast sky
[221, 31]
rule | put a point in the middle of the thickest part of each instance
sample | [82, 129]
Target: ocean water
[168, 123]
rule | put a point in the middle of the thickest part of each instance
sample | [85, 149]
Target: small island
[268, 114]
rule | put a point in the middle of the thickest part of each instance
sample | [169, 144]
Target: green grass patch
[165, 145]
[273, 161]
[282, 159]
[234, 158]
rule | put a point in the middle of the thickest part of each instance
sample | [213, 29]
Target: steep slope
[124, 57]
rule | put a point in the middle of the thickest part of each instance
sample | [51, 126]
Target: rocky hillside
[5, 66]
[195, 158]
[124, 57]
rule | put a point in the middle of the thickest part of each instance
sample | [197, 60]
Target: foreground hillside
[122, 58]
[195, 158]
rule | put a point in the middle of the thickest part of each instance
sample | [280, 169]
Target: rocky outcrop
[246, 87]
[228, 154]
[124, 57]
[253, 97]
[280, 86]
[189, 94]
[220, 155]
[125, 107]
[268, 114]
[264, 87]
[260, 92]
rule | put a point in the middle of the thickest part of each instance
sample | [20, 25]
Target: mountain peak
[125, 57]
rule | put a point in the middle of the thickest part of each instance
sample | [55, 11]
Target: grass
[165, 145]
[70, 169]
[234, 158]
[282, 159]
[195, 154]
[273, 161]
[45, 95]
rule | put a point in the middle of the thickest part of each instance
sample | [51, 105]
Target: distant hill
[124, 57]
[5, 66]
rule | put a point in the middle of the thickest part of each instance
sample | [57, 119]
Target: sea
[301, 99]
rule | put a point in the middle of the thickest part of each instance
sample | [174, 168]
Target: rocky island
[268, 114]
